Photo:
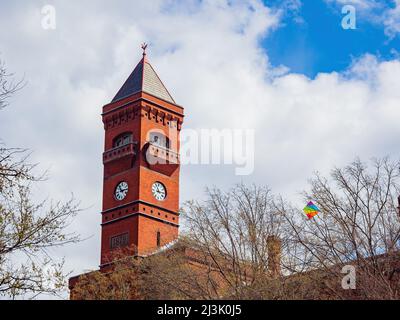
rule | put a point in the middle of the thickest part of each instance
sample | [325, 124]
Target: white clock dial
[121, 191]
[159, 191]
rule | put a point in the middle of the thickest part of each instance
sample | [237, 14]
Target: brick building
[140, 211]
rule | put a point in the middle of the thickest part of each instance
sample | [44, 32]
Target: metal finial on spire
[144, 47]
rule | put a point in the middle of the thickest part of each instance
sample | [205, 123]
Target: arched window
[122, 140]
[159, 139]
[158, 239]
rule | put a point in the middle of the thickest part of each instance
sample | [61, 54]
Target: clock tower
[142, 124]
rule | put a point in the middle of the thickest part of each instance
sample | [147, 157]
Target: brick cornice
[144, 100]
[139, 202]
[140, 214]
[130, 111]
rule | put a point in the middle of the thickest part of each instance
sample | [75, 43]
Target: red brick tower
[141, 166]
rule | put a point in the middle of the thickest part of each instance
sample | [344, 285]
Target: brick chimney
[274, 247]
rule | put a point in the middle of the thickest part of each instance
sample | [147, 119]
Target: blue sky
[318, 43]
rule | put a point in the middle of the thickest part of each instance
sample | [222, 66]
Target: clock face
[159, 191]
[121, 191]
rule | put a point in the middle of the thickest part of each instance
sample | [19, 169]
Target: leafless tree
[358, 225]
[7, 85]
[118, 282]
[164, 274]
[235, 232]
[28, 229]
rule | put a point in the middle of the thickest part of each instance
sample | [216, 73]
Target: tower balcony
[161, 159]
[159, 155]
[120, 152]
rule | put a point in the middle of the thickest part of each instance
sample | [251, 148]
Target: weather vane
[144, 47]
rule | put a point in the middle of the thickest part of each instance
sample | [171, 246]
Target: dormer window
[122, 140]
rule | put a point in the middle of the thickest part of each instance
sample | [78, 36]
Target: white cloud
[361, 4]
[392, 20]
[209, 56]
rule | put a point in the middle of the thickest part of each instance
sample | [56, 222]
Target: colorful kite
[311, 210]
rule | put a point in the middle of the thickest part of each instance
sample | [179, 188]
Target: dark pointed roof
[144, 78]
